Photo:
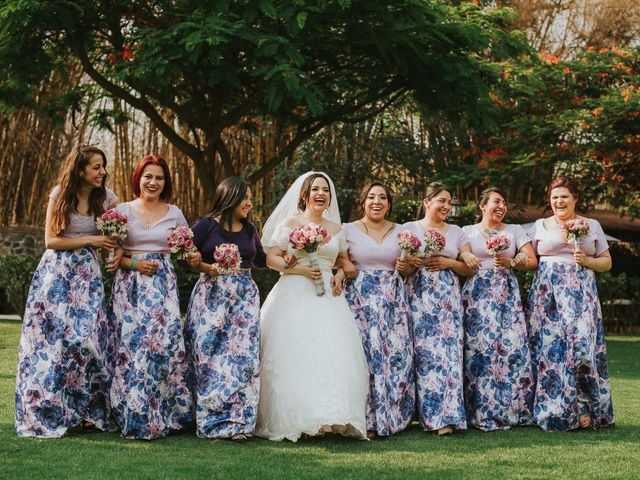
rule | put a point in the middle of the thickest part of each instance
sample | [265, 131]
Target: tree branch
[141, 104]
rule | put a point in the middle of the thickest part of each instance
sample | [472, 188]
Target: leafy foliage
[297, 66]
[16, 273]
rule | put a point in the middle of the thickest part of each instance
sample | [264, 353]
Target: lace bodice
[81, 225]
[327, 253]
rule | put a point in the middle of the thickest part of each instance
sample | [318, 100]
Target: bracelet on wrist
[132, 265]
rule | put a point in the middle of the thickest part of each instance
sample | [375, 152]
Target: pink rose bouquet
[575, 230]
[497, 244]
[408, 243]
[308, 238]
[227, 257]
[180, 241]
[113, 223]
[434, 242]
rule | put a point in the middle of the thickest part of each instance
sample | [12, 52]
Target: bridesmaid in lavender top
[568, 349]
[378, 300]
[63, 379]
[436, 305]
[497, 363]
[149, 391]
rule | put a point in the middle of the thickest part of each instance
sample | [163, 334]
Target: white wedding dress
[313, 371]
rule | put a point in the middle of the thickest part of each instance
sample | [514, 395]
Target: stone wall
[21, 241]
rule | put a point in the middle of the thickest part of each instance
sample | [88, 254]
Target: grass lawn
[525, 452]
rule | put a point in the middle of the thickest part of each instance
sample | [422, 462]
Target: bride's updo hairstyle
[433, 189]
[305, 190]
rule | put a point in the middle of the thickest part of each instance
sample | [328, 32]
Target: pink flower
[309, 237]
[434, 242]
[408, 243]
[497, 244]
[180, 241]
[113, 223]
[576, 229]
[227, 257]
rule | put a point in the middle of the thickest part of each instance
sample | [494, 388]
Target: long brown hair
[433, 189]
[229, 193]
[69, 182]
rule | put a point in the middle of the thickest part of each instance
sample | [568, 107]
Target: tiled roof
[625, 228]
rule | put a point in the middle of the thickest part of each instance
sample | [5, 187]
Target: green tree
[297, 66]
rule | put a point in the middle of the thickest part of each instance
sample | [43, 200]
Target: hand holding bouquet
[497, 244]
[227, 257]
[114, 224]
[575, 230]
[308, 238]
[180, 241]
[408, 243]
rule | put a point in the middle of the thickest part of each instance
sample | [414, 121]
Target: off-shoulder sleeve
[343, 246]
[601, 243]
[110, 199]
[280, 237]
[520, 236]
[260, 260]
[55, 192]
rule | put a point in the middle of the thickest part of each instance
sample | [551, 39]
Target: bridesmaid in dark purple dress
[222, 327]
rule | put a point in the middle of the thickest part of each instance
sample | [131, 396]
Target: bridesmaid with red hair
[568, 350]
[149, 391]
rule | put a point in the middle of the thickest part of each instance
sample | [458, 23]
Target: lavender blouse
[515, 233]
[207, 235]
[81, 225]
[153, 239]
[368, 254]
[455, 238]
[552, 247]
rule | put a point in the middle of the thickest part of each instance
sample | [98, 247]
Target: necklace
[384, 225]
[490, 232]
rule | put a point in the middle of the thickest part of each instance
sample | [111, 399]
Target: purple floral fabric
[568, 350]
[497, 363]
[436, 306]
[379, 303]
[149, 391]
[222, 332]
[62, 378]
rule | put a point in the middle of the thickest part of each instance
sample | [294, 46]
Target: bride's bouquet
[497, 244]
[180, 240]
[575, 230]
[308, 238]
[227, 257]
[113, 223]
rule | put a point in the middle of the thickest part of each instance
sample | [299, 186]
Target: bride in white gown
[313, 373]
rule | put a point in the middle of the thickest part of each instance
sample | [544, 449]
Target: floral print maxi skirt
[379, 303]
[568, 350]
[497, 363]
[62, 377]
[436, 306]
[149, 391]
[222, 332]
